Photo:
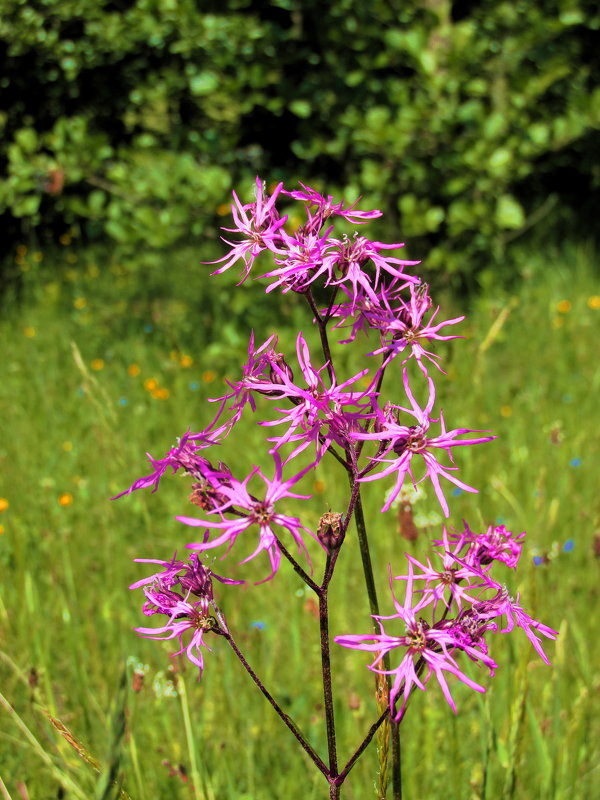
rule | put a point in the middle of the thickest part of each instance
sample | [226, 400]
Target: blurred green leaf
[166, 106]
[509, 212]
[27, 140]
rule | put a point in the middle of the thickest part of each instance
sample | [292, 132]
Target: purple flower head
[355, 312]
[402, 328]
[185, 617]
[496, 544]
[427, 650]
[160, 599]
[192, 575]
[246, 512]
[320, 414]
[256, 375]
[502, 605]
[359, 309]
[346, 262]
[325, 207]
[451, 577]
[403, 442]
[259, 223]
[469, 631]
[301, 261]
[192, 578]
[183, 456]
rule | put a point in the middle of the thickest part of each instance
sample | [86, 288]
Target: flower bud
[279, 365]
[329, 532]
[197, 579]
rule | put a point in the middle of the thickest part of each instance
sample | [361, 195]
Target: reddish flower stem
[326, 672]
[302, 740]
[323, 334]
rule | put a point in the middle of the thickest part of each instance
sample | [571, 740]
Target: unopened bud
[224, 468]
[279, 371]
[279, 365]
[422, 293]
[206, 496]
[329, 532]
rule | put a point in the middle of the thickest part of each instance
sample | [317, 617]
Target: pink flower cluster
[456, 605]
[311, 411]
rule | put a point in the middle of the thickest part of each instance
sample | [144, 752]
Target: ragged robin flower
[242, 512]
[425, 651]
[185, 455]
[182, 591]
[259, 224]
[404, 332]
[325, 207]
[400, 444]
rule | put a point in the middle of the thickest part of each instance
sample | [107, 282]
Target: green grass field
[104, 361]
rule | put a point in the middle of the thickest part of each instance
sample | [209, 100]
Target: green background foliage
[464, 121]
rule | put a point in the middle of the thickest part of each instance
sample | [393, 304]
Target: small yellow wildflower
[93, 270]
[65, 499]
[208, 376]
[558, 322]
[67, 446]
[150, 384]
[223, 209]
[563, 307]
[97, 364]
[134, 370]
[37, 257]
[21, 250]
[186, 361]
[65, 239]
[319, 487]
[594, 301]
[29, 331]
[505, 411]
[4, 504]
[160, 393]
[80, 302]
[1, 529]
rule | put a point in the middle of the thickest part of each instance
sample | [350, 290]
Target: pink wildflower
[404, 442]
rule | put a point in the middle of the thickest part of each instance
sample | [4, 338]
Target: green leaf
[27, 140]
[204, 83]
[433, 218]
[301, 108]
[96, 201]
[26, 206]
[500, 159]
[509, 212]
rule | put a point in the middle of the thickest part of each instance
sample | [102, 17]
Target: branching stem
[302, 740]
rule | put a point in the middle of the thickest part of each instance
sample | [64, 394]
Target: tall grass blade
[515, 736]
[59, 775]
[107, 785]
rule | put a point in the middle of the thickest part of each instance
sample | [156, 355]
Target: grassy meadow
[107, 358]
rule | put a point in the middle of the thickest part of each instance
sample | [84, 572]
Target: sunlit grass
[105, 360]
